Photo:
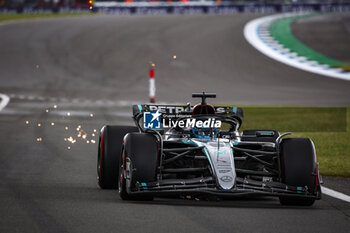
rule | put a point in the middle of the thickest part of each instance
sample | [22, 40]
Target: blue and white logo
[151, 120]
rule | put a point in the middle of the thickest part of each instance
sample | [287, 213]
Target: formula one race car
[180, 150]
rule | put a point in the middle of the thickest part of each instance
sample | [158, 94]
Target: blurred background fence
[171, 6]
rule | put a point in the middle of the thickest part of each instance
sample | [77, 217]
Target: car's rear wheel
[298, 166]
[109, 150]
[138, 164]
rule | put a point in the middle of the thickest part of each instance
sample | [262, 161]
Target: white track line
[335, 194]
[4, 101]
[251, 33]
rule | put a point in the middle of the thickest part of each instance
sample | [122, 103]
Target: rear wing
[183, 110]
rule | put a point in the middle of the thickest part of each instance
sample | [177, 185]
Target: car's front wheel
[298, 165]
[138, 164]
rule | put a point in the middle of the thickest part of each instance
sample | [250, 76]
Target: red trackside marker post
[152, 85]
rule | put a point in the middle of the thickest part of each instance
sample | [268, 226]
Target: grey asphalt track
[89, 65]
[332, 31]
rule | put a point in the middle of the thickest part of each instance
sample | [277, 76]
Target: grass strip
[23, 16]
[329, 128]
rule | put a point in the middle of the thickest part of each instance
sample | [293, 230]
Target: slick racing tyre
[138, 164]
[298, 165]
[109, 150]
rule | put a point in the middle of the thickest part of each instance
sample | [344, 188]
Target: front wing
[207, 186]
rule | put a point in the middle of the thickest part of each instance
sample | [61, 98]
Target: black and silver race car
[180, 150]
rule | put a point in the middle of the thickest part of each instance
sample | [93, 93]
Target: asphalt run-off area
[63, 76]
